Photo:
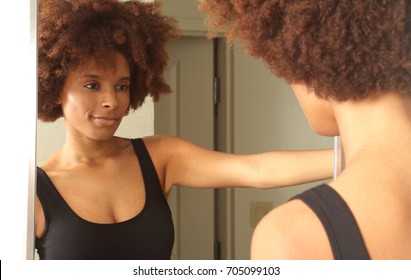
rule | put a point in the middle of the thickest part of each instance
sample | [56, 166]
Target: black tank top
[342, 230]
[149, 235]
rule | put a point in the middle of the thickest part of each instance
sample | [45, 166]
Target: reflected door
[188, 113]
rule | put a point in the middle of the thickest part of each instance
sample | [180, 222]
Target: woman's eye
[91, 86]
[122, 87]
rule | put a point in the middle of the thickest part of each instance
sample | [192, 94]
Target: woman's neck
[379, 126]
[90, 152]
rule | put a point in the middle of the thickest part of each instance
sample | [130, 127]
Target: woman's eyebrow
[127, 79]
[90, 76]
[98, 77]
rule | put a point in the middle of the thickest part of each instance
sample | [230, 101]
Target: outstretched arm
[189, 165]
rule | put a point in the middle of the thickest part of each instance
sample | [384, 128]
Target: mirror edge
[30, 237]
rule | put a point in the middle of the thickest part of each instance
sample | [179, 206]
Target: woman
[349, 63]
[104, 197]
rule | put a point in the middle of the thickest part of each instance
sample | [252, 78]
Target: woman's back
[375, 184]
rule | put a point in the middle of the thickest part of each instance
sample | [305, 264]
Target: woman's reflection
[102, 196]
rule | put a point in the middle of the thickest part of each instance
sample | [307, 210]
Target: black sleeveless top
[149, 235]
[338, 221]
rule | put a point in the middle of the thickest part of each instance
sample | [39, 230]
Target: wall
[17, 118]
[189, 18]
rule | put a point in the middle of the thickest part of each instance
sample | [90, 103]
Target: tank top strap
[50, 198]
[338, 221]
[150, 176]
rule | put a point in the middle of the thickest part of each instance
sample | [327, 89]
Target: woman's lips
[104, 121]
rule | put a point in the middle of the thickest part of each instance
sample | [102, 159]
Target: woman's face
[318, 111]
[95, 99]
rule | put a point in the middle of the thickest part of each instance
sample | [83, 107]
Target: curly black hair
[71, 31]
[341, 49]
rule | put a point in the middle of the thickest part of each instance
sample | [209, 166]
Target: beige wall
[189, 18]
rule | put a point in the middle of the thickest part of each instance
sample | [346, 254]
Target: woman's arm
[189, 165]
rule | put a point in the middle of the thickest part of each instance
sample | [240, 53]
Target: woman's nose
[109, 100]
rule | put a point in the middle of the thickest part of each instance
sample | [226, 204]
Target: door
[188, 113]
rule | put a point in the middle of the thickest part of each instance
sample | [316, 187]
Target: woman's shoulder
[50, 164]
[161, 139]
[290, 231]
[166, 144]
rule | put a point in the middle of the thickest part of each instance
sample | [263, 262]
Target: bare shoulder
[50, 164]
[163, 150]
[170, 147]
[162, 147]
[162, 139]
[162, 142]
[290, 231]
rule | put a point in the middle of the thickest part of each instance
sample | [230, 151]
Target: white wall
[17, 119]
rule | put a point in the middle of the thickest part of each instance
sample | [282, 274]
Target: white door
[188, 113]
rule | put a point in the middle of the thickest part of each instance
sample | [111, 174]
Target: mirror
[268, 119]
